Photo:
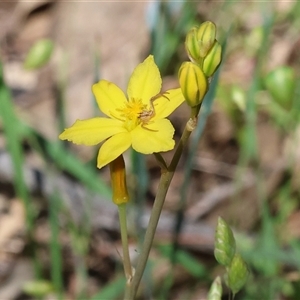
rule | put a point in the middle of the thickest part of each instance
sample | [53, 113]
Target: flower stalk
[164, 183]
[205, 55]
[124, 238]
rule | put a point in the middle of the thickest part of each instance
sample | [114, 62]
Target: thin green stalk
[164, 184]
[189, 127]
[14, 145]
[81, 277]
[207, 104]
[14, 135]
[124, 238]
[163, 187]
[55, 248]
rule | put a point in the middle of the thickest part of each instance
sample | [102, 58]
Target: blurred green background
[59, 234]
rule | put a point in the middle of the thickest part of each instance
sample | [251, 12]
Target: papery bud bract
[237, 274]
[224, 243]
[193, 83]
[206, 37]
[212, 59]
[192, 45]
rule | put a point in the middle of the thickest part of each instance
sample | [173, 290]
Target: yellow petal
[112, 148]
[145, 81]
[165, 106]
[92, 131]
[157, 136]
[109, 97]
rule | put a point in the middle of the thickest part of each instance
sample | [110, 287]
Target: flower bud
[38, 288]
[215, 291]
[237, 274]
[193, 83]
[206, 36]
[118, 181]
[281, 84]
[192, 45]
[39, 54]
[224, 243]
[212, 59]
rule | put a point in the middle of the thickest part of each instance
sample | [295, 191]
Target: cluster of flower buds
[225, 253]
[205, 54]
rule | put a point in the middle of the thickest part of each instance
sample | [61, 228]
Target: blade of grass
[14, 145]
[63, 159]
[68, 162]
[190, 264]
[12, 129]
[16, 131]
[111, 291]
[55, 249]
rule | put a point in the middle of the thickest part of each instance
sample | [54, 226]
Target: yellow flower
[139, 121]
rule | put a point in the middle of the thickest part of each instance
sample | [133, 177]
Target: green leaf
[186, 260]
[111, 291]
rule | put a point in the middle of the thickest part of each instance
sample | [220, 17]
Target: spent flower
[138, 121]
[118, 181]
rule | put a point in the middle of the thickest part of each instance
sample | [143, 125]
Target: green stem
[189, 127]
[163, 187]
[124, 238]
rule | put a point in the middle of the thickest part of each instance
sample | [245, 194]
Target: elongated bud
[206, 37]
[224, 243]
[118, 181]
[237, 274]
[192, 45]
[193, 83]
[212, 59]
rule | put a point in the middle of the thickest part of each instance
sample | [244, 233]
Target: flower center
[132, 112]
